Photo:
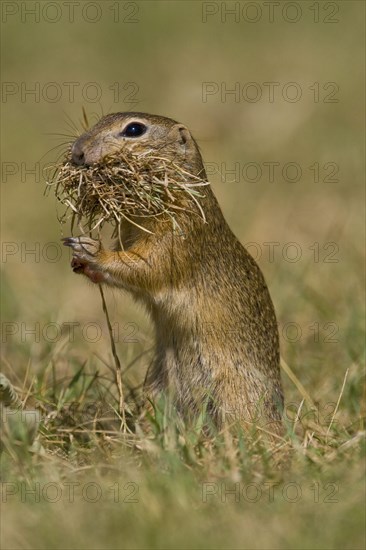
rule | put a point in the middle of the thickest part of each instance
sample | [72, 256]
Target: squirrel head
[139, 133]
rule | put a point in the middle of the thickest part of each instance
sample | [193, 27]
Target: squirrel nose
[77, 154]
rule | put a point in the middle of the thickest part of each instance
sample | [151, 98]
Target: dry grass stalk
[126, 186]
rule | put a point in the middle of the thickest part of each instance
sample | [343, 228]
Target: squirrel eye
[134, 129]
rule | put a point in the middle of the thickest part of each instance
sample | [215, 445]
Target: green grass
[164, 484]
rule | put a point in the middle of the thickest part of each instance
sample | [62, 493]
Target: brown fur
[216, 330]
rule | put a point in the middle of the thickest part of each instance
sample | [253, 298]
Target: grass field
[284, 152]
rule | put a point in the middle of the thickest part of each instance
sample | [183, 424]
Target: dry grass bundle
[126, 186]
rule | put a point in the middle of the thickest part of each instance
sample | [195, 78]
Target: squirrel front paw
[85, 259]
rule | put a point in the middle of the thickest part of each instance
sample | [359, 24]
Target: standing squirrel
[216, 333]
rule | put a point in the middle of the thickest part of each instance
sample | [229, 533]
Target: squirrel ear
[183, 135]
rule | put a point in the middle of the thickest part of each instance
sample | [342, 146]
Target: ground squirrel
[216, 332]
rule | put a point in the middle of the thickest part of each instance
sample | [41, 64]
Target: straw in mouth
[125, 186]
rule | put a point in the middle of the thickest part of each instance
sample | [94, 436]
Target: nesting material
[126, 186]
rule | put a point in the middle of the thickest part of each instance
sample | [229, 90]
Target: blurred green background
[160, 57]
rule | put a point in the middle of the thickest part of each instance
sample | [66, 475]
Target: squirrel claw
[84, 259]
[84, 248]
